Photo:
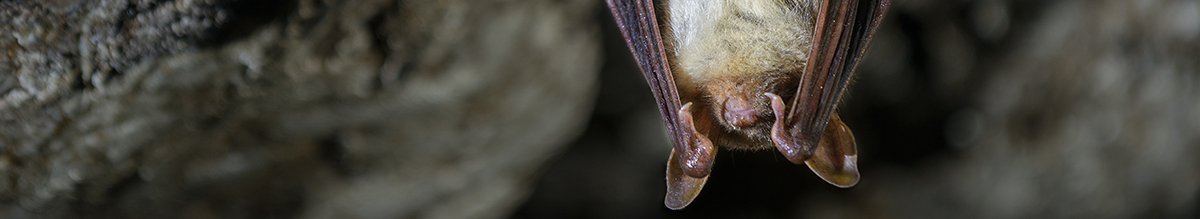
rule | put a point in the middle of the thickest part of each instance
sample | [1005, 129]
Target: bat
[750, 75]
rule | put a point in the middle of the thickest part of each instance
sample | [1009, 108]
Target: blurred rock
[286, 109]
[1091, 112]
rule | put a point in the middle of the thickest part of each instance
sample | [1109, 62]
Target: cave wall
[294, 109]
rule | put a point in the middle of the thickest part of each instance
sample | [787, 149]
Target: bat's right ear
[836, 159]
[681, 188]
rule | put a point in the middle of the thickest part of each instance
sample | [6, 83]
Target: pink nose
[739, 112]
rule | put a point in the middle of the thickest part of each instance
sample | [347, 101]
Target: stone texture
[294, 109]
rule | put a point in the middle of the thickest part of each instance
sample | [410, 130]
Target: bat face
[750, 74]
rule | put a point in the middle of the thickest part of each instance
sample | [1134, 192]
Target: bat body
[724, 55]
[721, 71]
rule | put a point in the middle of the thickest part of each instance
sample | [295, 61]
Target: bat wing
[810, 131]
[688, 169]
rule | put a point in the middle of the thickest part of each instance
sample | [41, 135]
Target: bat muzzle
[740, 112]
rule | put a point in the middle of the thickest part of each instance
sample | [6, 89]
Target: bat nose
[739, 111]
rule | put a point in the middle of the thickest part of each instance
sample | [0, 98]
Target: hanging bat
[750, 74]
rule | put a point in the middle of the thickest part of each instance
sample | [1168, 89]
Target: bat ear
[836, 158]
[681, 188]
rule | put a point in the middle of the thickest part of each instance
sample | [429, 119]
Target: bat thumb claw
[784, 142]
[696, 159]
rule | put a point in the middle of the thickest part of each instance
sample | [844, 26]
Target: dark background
[922, 103]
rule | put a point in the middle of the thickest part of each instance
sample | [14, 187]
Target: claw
[794, 151]
[697, 159]
[834, 159]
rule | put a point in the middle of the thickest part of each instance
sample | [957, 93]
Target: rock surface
[286, 109]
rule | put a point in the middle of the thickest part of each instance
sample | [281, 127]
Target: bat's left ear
[836, 158]
[681, 188]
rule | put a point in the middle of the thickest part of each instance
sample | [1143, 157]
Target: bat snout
[740, 112]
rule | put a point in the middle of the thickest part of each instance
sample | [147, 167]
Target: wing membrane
[639, 25]
[843, 30]
[813, 133]
[688, 169]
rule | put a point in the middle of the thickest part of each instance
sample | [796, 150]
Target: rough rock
[295, 109]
